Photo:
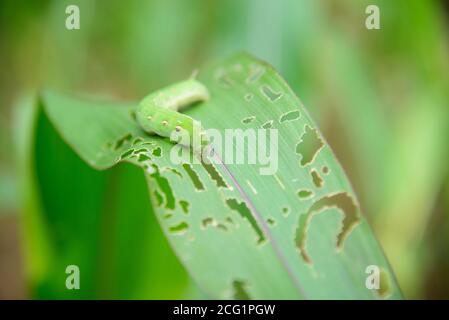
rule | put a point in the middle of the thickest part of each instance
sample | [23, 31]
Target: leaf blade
[226, 235]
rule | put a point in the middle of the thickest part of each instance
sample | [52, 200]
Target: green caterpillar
[158, 112]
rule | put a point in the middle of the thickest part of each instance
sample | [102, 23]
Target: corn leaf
[295, 234]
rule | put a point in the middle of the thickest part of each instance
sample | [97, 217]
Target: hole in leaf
[270, 93]
[268, 124]
[184, 206]
[158, 197]
[157, 152]
[208, 222]
[341, 201]
[271, 221]
[289, 116]
[248, 119]
[167, 215]
[143, 157]
[305, 193]
[120, 142]
[164, 186]
[126, 154]
[180, 228]
[285, 211]
[141, 150]
[240, 291]
[193, 176]
[316, 178]
[309, 145]
[214, 174]
[325, 170]
[245, 213]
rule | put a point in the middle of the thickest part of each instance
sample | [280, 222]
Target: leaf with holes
[296, 234]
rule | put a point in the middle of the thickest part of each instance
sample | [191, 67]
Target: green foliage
[237, 232]
[75, 215]
[378, 96]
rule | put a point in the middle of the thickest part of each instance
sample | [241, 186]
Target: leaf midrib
[272, 242]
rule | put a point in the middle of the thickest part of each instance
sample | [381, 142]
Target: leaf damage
[346, 205]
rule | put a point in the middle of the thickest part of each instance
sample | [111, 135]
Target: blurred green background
[381, 98]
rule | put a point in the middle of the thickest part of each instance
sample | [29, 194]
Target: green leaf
[297, 234]
[76, 215]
